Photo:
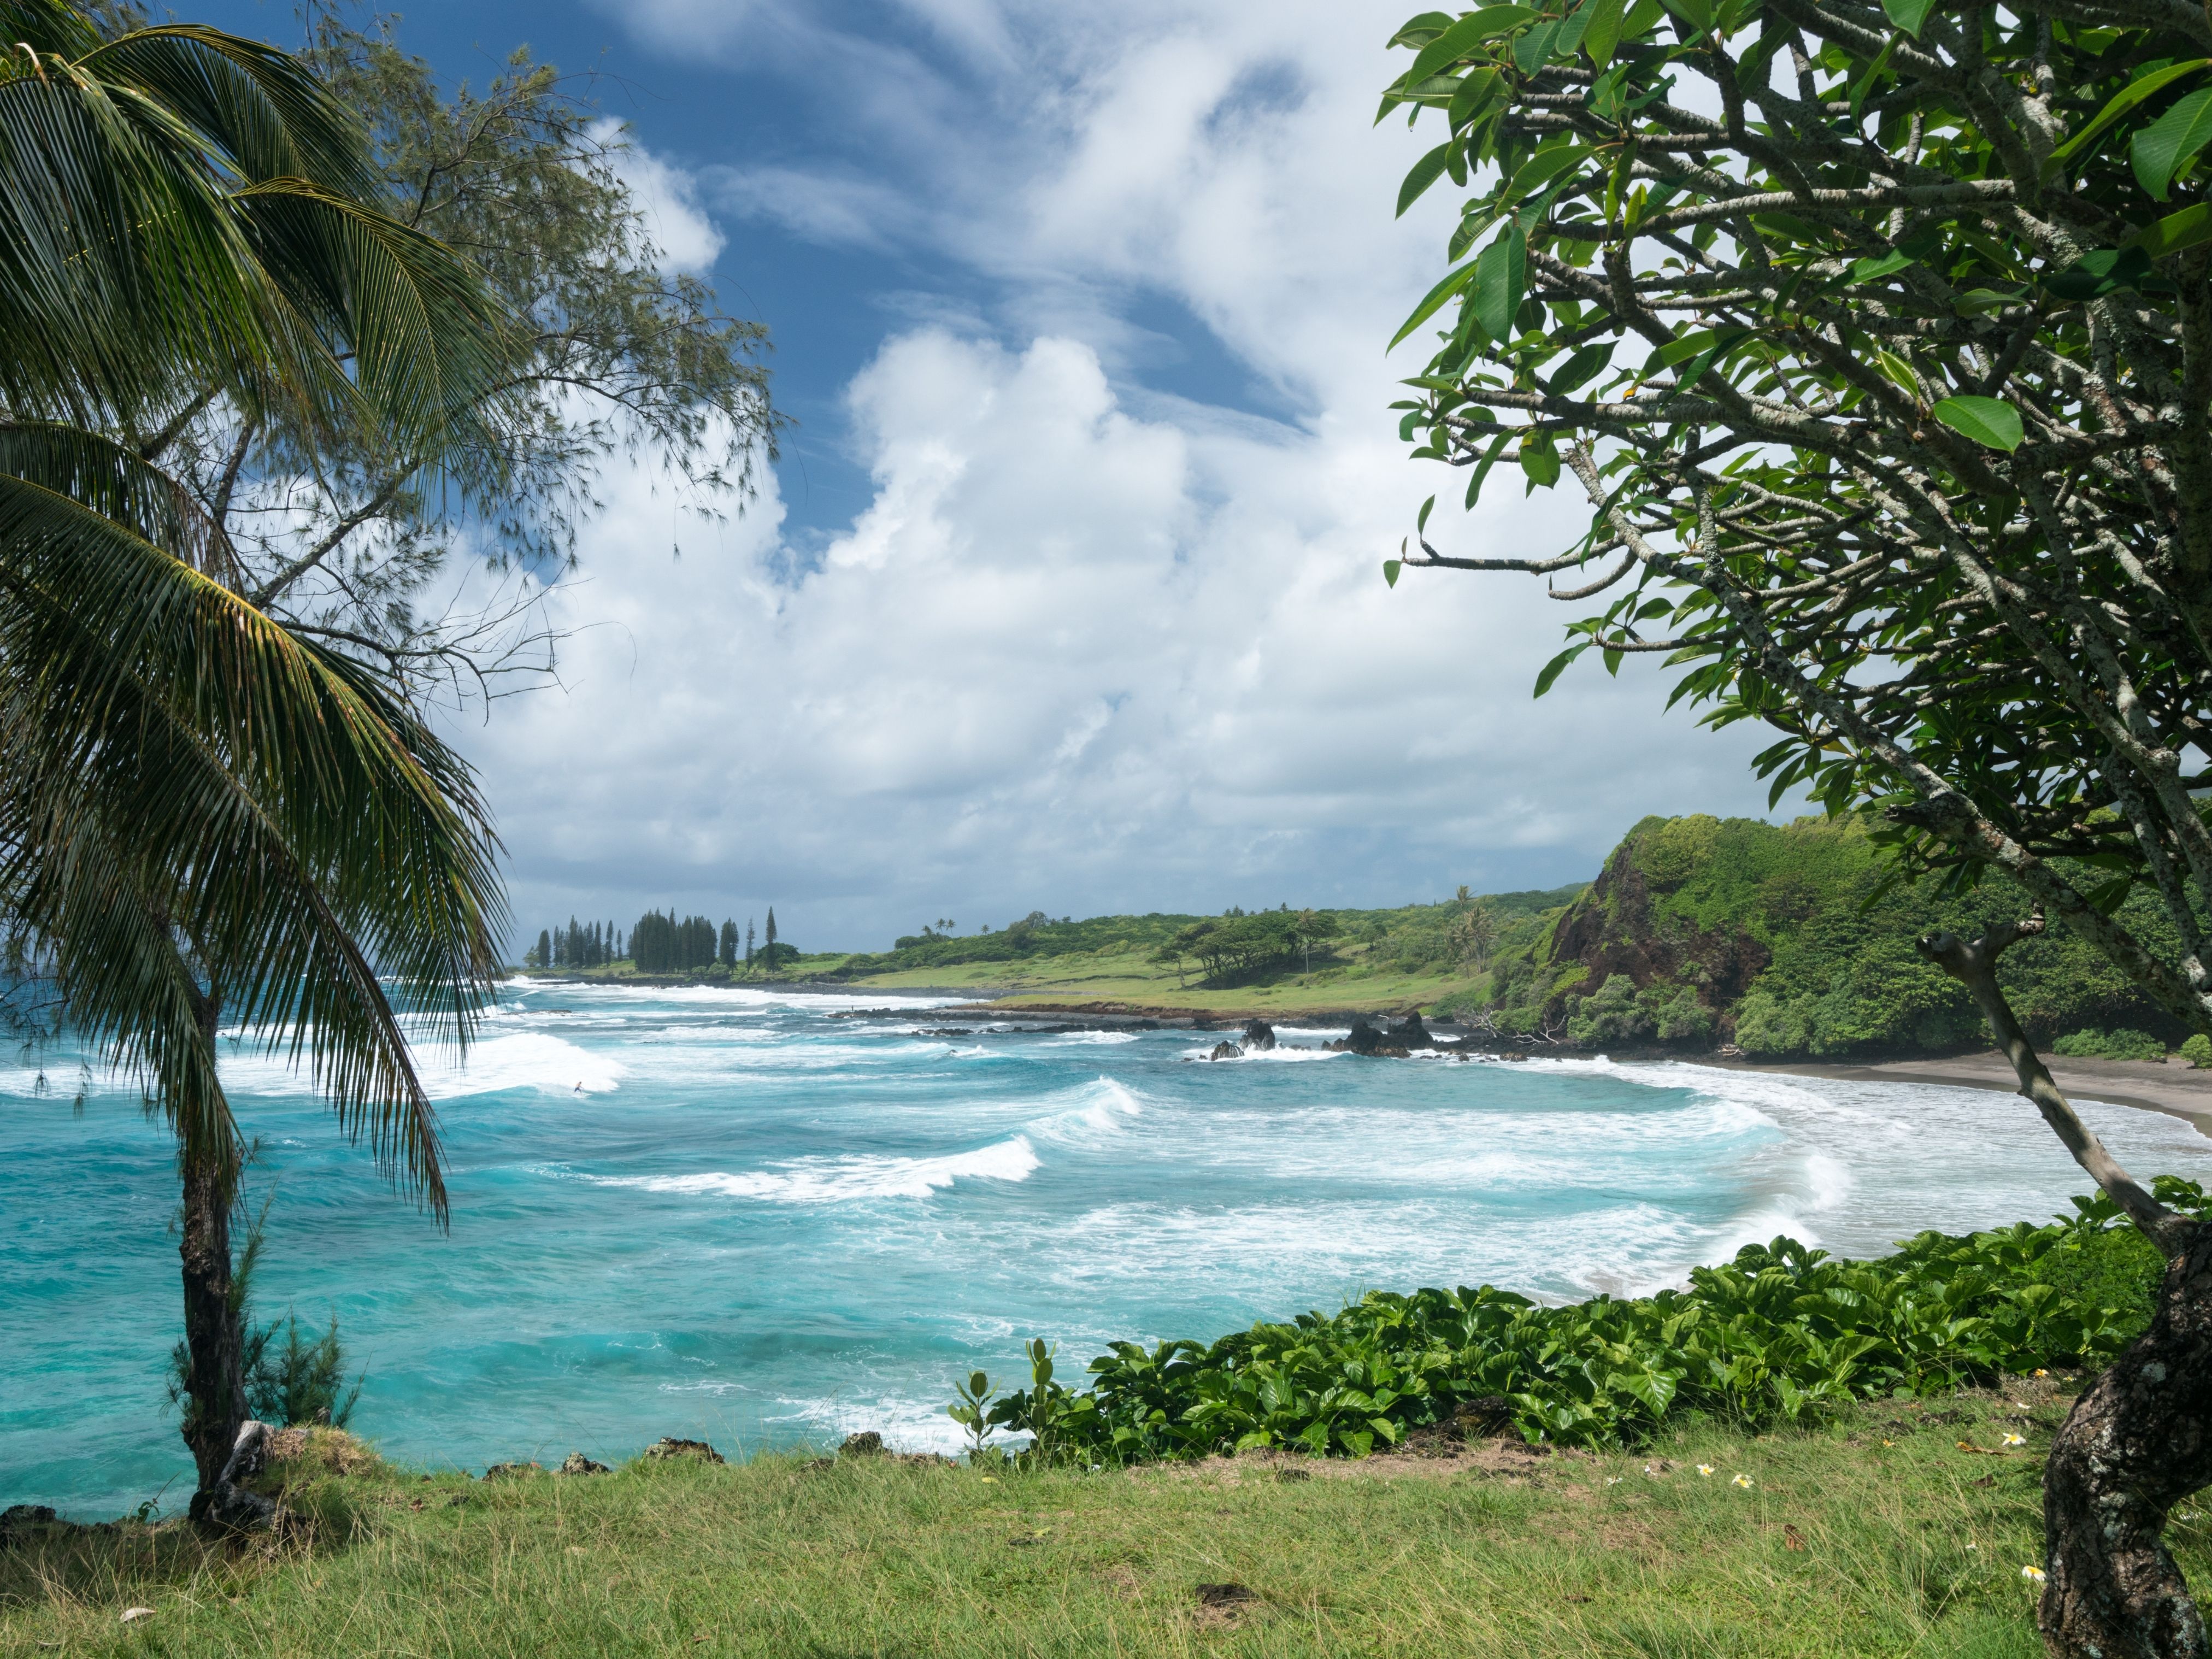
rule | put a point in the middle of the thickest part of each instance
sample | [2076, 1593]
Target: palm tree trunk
[213, 1337]
[2137, 1442]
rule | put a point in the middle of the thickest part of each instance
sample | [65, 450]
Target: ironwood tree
[1879, 341]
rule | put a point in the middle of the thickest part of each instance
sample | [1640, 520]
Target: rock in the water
[866, 1443]
[1363, 1038]
[1410, 1033]
[510, 1471]
[1513, 1054]
[699, 1449]
[577, 1463]
[1258, 1034]
[1226, 1051]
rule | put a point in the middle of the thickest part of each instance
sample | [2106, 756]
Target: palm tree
[205, 818]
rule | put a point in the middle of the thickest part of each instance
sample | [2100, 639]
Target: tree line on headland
[657, 943]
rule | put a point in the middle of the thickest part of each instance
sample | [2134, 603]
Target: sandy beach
[2171, 1087]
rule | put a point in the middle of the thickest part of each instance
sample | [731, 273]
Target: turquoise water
[734, 1216]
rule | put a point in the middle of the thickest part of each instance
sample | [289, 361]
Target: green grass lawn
[1873, 1535]
[1132, 979]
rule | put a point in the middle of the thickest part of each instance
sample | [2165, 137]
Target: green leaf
[1556, 666]
[1425, 171]
[1570, 35]
[1501, 278]
[1698, 14]
[1991, 421]
[1868, 271]
[1909, 15]
[1540, 459]
[1475, 92]
[2105, 271]
[2177, 231]
[1392, 567]
[1463, 37]
[1539, 169]
[2126, 100]
[1580, 368]
[1531, 51]
[1433, 300]
[1601, 33]
[1427, 507]
[2159, 150]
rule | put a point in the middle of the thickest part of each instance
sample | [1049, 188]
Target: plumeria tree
[1877, 340]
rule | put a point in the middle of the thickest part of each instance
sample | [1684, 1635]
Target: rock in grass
[509, 1470]
[19, 1520]
[666, 1447]
[577, 1463]
[866, 1443]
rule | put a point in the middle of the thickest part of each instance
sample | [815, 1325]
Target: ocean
[769, 1219]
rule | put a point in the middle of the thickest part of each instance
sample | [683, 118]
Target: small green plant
[2198, 1051]
[303, 1380]
[973, 1411]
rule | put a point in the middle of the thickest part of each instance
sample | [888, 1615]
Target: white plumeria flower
[1743, 1480]
[2034, 1575]
[2016, 1440]
[1973, 1547]
[1704, 1468]
[1613, 1480]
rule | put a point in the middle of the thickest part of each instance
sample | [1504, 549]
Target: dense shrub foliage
[1776, 1335]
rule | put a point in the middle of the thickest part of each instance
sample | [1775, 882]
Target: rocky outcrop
[666, 1447]
[1392, 1041]
[1614, 927]
[513, 1471]
[1226, 1051]
[1259, 1035]
[866, 1443]
[577, 1463]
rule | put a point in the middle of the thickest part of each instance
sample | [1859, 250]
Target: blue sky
[1066, 594]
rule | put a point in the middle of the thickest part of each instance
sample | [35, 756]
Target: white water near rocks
[734, 1215]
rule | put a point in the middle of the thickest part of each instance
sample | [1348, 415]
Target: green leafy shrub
[1776, 1335]
[2110, 1045]
[2198, 1051]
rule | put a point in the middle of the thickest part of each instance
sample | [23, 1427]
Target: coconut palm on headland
[208, 819]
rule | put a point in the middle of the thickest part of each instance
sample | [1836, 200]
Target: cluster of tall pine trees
[586, 944]
[658, 944]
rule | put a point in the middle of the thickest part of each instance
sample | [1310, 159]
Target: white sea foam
[1084, 1039]
[845, 1180]
[519, 1060]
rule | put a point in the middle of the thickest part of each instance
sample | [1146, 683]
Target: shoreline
[2178, 1091]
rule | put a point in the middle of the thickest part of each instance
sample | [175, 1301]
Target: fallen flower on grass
[2034, 1575]
[1743, 1480]
[2016, 1440]
[132, 1615]
[1613, 1480]
[1973, 1547]
[1704, 1468]
[2040, 1372]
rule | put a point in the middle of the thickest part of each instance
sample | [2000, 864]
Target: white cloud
[1090, 646]
[667, 198]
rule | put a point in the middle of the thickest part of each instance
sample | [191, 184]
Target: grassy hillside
[1397, 958]
[1702, 929]
[1871, 1535]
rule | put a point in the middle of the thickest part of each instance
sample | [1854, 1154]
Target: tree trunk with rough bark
[215, 1380]
[2139, 1439]
[2137, 1442]
[213, 1337]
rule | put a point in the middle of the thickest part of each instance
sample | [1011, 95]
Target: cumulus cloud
[1090, 646]
[668, 200]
